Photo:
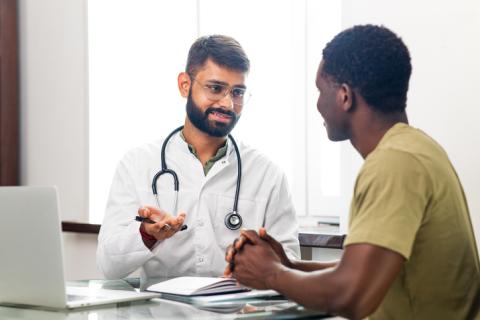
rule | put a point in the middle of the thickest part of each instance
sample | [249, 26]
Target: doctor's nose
[227, 101]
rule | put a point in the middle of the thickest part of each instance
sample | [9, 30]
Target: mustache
[220, 110]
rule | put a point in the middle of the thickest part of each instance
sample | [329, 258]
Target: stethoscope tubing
[176, 184]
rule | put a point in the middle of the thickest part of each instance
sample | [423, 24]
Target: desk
[162, 309]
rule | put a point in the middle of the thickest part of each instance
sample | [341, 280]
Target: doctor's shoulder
[142, 155]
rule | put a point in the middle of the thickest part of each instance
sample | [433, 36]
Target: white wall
[53, 115]
[443, 39]
[53, 99]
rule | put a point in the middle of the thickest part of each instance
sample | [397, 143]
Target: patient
[410, 251]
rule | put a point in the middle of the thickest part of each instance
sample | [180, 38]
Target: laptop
[31, 267]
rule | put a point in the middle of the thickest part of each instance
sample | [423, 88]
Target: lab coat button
[200, 259]
[200, 223]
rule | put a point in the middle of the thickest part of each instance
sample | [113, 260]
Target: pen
[167, 226]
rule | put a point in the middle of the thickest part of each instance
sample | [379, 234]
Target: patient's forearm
[317, 290]
[304, 265]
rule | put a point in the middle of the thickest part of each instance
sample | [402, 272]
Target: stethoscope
[233, 220]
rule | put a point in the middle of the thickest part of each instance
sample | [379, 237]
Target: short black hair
[223, 50]
[374, 61]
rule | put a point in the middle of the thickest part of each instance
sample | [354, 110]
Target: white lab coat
[264, 201]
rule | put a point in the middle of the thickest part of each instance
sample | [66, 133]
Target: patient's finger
[240, 241]
[230, 253]
[262, 232]
[227, 272]
[265, 236]
[251, 236]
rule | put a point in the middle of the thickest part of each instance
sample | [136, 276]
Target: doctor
[211, 200]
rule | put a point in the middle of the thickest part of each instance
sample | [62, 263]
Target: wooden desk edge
[307, 239]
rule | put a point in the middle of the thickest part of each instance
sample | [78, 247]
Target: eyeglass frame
[246, 93]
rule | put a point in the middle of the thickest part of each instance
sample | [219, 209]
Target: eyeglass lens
[216, 92]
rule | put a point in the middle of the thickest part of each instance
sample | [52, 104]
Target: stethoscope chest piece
[233, 220]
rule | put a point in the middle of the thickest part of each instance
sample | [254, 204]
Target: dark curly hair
[372, 60]
[223, 50]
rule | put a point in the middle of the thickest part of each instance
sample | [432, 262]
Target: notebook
[197, 286]
[219, 294]
[31, 270]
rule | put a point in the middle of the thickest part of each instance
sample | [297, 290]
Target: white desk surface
[163, 309]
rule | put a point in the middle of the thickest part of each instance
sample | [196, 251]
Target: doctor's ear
[184, 83]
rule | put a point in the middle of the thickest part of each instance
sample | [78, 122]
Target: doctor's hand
[247, 236]
[166, 225]
[257, 265]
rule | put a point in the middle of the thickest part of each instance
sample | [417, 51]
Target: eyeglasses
[217, 91]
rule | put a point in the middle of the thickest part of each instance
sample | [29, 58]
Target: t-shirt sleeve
[390, 198]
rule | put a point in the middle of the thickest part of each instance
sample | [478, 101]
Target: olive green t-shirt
[408, 199]
[221, 152]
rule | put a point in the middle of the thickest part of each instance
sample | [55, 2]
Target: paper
[197, 286]
[264, 295]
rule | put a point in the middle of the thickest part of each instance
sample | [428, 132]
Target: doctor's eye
[215, 88]
[238, 92]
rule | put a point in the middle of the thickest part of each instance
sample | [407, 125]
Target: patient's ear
[184, 83]
[346, 97]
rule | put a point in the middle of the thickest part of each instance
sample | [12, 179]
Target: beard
[213, 128]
